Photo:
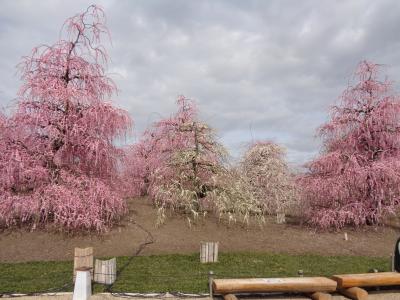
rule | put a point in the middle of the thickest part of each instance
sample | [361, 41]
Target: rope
[148, 241]
[40, 293]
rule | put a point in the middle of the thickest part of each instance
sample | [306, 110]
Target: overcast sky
[257, 69]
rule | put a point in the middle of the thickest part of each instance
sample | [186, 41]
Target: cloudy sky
[257, 69]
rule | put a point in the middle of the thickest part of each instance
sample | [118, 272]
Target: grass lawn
[183, 273]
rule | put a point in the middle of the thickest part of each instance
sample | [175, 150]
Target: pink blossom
[58, 159]
[356, 179]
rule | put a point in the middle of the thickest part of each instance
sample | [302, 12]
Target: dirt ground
[175, 236]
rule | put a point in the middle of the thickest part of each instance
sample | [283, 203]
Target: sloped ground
[177, 237]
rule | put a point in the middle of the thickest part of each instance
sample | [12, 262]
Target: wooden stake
[230, 297]
[215, 258]
[208, 252]
[83, 258]
[320, 296]
[105, 271]
[210, 283]
[354, 293]
[280, 218]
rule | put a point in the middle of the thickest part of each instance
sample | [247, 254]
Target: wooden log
[83, 258]
[354, 293]
[105, 271]
[320, 296]
[230, 297]
[367, 279]
[264, 285]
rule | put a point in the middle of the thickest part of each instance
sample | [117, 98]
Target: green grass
[184, 273]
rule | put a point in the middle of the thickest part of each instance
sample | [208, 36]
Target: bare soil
[175, 236]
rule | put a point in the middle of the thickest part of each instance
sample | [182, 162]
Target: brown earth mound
[177, 237]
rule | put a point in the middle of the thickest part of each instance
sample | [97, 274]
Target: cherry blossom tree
[356, 180]
[60, 162]
[264, 166]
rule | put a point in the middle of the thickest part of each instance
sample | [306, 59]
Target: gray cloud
[257, 69]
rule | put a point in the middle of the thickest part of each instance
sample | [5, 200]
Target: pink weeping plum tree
[356, 180]
[180, 164]
[58, 161]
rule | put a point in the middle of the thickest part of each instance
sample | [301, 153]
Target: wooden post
[230, 297]
[280, 218]
[105, 271]
[210, 283]
[83, 258]
[354, 293]
[208, 252]
[320, 296]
